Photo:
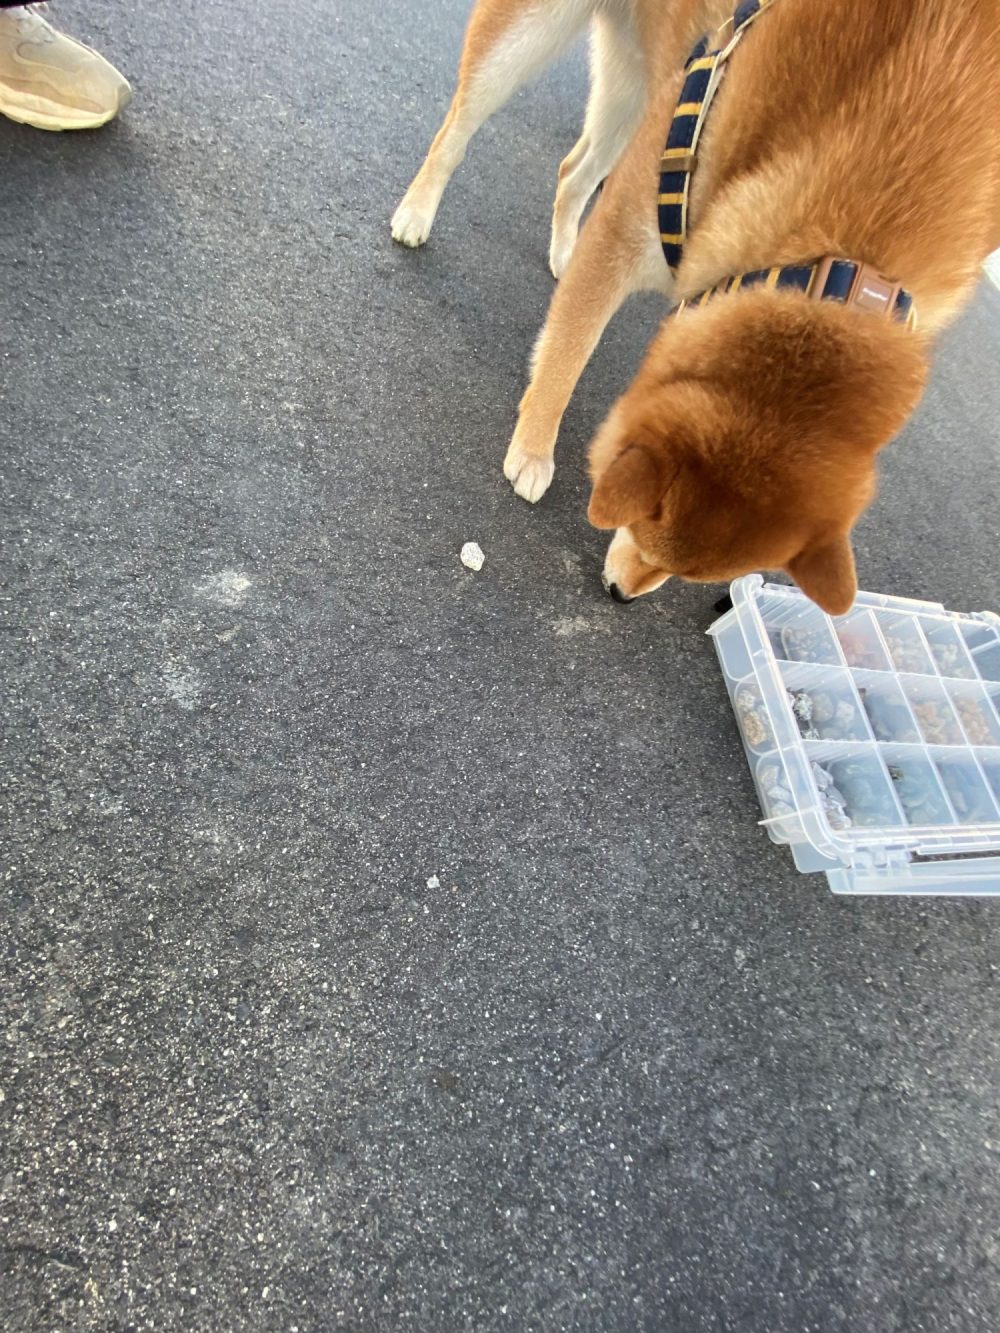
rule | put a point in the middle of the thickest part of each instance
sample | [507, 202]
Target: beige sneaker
[52, 81]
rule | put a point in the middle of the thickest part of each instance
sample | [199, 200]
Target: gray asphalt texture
[622, 1068]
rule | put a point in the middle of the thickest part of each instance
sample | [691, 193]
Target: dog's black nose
[618, 595]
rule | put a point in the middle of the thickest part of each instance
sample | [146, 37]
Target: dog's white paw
[411, 225]
[530, 475]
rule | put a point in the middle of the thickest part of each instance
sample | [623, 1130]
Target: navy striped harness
[828, 278]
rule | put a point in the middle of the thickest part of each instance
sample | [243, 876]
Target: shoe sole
[63, 118]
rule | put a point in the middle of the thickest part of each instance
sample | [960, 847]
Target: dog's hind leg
[617, 93]
[506, 45]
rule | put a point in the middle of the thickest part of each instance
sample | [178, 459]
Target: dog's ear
[630, 488]
[825, 572]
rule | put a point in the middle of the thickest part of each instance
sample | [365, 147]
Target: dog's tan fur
[863, 128]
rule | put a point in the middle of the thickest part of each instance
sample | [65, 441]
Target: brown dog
[865, 129]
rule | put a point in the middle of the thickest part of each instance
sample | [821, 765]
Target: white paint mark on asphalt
[181, 683]
[567, 626]
[227, 588]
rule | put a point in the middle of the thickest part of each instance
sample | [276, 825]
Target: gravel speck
[472, 556]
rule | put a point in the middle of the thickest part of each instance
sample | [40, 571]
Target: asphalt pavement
[385, 945]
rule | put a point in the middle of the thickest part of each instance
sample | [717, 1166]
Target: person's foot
[52, 81]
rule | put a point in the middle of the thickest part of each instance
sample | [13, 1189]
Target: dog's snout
[618, 595]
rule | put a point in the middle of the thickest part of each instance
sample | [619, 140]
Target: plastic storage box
[873, 738]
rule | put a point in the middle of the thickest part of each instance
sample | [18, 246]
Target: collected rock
[919, 794]
[753, 717]
[807, 645]
[834, 802]
[863, 792]
[974, 719]
[967, 794]
[907, 653]
[937, 723]
[821, 715]
[778, 798]
[950, 660]
[890, 719]
[861, 652]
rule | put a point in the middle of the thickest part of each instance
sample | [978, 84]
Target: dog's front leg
[611, 260]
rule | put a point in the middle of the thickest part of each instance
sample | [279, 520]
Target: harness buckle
[868, 290]
[873, 291]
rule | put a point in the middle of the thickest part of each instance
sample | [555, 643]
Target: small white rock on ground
[472, 556]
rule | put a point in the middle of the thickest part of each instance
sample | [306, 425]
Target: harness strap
[703, 75]
[826, 279]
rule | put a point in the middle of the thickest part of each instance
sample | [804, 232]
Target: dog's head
[747, 441]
